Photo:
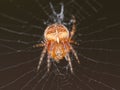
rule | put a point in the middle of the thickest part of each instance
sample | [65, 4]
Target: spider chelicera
[57, 44]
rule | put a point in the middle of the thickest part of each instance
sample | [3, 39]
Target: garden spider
[57, 40]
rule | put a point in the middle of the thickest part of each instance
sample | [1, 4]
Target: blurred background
[22, 25]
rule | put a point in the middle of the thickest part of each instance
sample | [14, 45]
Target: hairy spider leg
[71, 41]
[73, 31]
[73, 27]
[38, 45]
[75, 54]
[48, 63]
[53, 10]
[41, 57]
[67, 57]
[74, 42]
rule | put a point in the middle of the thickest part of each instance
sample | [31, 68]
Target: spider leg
[74, 42]
[38, 45]
[67, 57]
[75, 54]
[41, 58]
[48, 63]
[73, 27]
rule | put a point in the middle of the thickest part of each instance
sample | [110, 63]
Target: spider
[57, 40]
[57, 44]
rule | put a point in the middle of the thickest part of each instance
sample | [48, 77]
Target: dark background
[30, 18]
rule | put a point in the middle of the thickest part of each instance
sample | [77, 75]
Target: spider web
[22, 24]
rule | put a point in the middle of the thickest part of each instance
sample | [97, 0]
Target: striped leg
[75, 54]
[73, 27]
[67, 57]
[48, 63]
[41, 58]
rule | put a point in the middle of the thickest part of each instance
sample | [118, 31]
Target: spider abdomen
[56, 32]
